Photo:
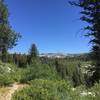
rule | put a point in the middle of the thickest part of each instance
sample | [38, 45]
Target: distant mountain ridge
[60, 55]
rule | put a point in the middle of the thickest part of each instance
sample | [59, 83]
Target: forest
[34, 77]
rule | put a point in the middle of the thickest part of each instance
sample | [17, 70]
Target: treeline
[69, 68]
[18, 59]
[21, 60]
[82, 57]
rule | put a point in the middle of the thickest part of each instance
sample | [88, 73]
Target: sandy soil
[6, 93]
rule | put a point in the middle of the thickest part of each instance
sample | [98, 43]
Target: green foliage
[45, 90]
[5, 79]
[3, 12]
[6, 68]
[70, 69]
[40, 71]
[6, 74]
[9, 73]
[19, 59]
[96, 91]
[22, 61]
[84, 93]
[91, 14]
[40, 89]
[33, 54]
[8, 37]
[44, 83]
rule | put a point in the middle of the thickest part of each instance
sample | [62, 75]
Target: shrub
[42, 71]
[5, 80]
[8, 73]
[44, 90]
[96, 91]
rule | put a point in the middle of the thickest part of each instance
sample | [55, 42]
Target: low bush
[42, 71]
[5, 80]
[45, 90]
[40, 89]
[96, 91]
[7, 73]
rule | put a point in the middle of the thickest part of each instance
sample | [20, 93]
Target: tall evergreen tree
[8, 37]
[91, 14]
[33, 54]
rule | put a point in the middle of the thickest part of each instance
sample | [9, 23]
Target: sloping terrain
[6, 92]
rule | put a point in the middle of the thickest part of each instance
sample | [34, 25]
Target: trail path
[7, 92]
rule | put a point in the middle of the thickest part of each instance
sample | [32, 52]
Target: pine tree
[8, 37]
[22, 60]
[33, 54]
[77, 76]
[91, 14]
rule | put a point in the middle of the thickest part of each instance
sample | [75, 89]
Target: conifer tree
[33, 54]
[8, 37]
[91, 14]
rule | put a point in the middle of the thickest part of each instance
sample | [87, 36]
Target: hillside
[45, 82]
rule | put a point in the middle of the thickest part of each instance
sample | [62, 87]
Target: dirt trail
[10, 90]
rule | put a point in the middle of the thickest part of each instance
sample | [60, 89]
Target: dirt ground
[6, 92]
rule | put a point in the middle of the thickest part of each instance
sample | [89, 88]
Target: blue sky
[52, 25]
